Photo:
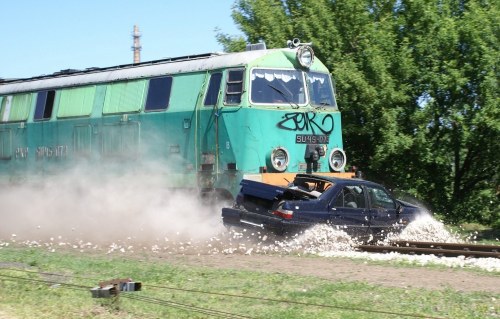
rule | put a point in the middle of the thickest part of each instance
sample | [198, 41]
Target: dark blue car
[358, 206]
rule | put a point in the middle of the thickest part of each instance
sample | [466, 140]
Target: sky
[45, 36]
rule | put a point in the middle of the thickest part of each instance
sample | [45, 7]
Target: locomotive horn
[293, 43]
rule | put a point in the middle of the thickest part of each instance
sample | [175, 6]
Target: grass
[35, 283]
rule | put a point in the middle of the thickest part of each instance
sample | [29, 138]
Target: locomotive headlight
[337, 159]
[279, 158]
[305, 56]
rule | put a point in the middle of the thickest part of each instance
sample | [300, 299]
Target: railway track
[437, 249]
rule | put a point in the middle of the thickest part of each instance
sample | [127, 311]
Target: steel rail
[452, 246]
[437, 249]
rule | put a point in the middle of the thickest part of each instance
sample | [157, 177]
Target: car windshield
[273, 86]
[320, 89]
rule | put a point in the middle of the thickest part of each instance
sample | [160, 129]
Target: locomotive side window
[76, 101]
[320, 89]
[212, 94]
[15, 108]
[273, 86]
[234, 87]
[124, 97]
[44, 105]
[5, 103]
[158, 94]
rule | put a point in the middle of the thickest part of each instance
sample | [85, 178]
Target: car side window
[351, 196]
[380, 198]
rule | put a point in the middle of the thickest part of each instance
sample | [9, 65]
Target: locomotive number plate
[311, 139]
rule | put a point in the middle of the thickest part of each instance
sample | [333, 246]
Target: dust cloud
[87, 211]
[86, 205]
[124, 211]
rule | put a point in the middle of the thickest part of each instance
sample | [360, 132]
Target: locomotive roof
[194, 63]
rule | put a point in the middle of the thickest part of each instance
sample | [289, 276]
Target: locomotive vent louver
[256, 46]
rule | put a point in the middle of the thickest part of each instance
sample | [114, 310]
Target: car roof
[337, 180]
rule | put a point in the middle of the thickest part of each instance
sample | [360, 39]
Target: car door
[383, 207]
[348, 209]
[310, 212]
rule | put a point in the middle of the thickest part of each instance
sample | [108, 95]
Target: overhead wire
[174, 304]
[128, 295]
[73, 286]
[207, 311]
[299, 303]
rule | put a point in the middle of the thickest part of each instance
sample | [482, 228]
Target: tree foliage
[417, 82]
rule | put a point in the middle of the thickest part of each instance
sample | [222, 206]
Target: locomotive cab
[205, 121]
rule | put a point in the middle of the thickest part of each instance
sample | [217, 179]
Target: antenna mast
[137, 44]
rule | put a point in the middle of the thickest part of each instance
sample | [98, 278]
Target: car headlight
[337, 159]
[305, 56]
[280, 159]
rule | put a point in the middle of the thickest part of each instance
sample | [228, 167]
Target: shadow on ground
[488, 234]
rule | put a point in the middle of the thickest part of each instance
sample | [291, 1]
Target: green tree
[458, 87]
[417, 82]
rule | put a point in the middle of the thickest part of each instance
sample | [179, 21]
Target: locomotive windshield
[273, 86]
[320, 89]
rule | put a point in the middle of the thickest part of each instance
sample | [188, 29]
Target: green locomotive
[202, 122]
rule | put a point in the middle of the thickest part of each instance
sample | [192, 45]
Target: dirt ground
[341, 269]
